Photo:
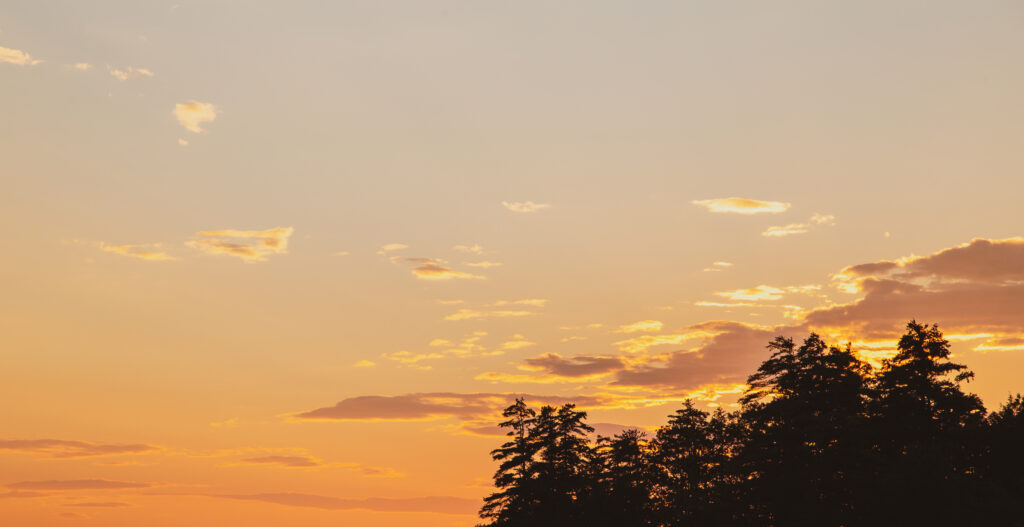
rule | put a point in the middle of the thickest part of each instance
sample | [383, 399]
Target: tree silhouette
[821, 439]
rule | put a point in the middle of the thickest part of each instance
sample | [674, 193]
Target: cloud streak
[742, 206]
[250, 246]
[60, 448]
[17, 57]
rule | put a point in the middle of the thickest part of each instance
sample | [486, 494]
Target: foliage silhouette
[820, 439]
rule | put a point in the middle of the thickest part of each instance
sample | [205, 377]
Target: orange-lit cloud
[149, 252]
[82, 66]
[17, 57]
[731, 352]
[431, 269]
[250, 246]
[742, 205]
[718, 267]
[130, 74]
[477, 314]
[61, 448]
[484, 264]
[779, 231]
[642, 326]
[193, 114]
[973, 289]
[524, 206]
[472, 249]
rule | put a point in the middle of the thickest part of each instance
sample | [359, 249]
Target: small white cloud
[182, 142]
[82, 66]
[525, 206]
[194, 113]
[128, 73]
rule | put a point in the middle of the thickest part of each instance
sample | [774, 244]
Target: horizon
[286, 264]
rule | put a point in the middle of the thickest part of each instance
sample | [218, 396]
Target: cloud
[429, 504]
[786, 230]
[517, 342]
[77, 484]
[742, 205]
[427, 406]
[132, 73]
[22, 494]
[98, 504]
[730, 352]
[642, 326]
[250, 246]
[764, 292]
[82, 66]
[524, 206]
[819, 219]
[645, 342]
[194, 113]
[475, 314]
[717, 267]
[553, 368]
[182, 142]
[17, 57]
[391, 247]
[60, 448]
[484, 264]
[761, 292]
[287, 461]
[535, 302]
[431, 269]
[980, 260]
[364, 364]
[149, 252]
[779, 231]
[974, 289]
[473, 249]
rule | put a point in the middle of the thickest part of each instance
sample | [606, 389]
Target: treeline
[820, 439]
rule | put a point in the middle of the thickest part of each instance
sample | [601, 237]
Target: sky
[283, 263]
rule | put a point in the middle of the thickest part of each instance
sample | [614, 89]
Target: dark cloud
[420, 406]
[727, 357]
[579, 366]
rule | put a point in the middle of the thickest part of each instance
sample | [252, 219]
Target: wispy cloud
[432, 269]
[62, 448]
[476, 314]
[484, 264]
[779, 231]
[82, 66]
[472, 249]
[524, 206]
[742, 205]
[717, 267]
[193, 114]
[641, 326]
[129, 73]
[250, 246]
[149, 252]
[17, 57]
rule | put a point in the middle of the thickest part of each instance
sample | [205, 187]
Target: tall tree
[516, 497]
[925, 427]
[803, 412]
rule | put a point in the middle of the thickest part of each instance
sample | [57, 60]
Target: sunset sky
[283, 263]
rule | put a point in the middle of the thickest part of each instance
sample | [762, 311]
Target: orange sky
[274, 264]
